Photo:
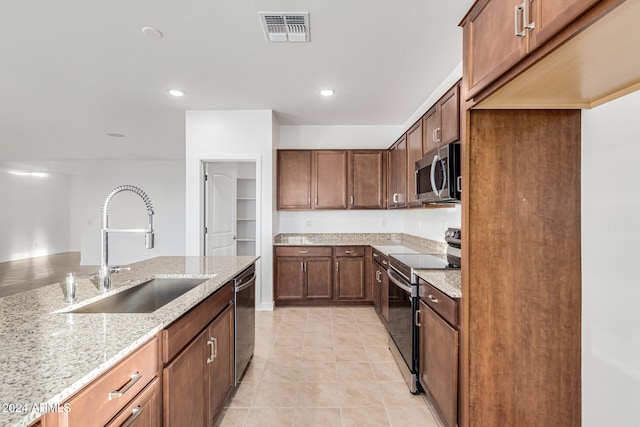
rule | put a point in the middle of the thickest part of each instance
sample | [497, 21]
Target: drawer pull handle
[375, 255]
[119, 393]
[384, 262]
[433, 299]
[303, 252]
[213, 342]
[349, 252]
[135, 413]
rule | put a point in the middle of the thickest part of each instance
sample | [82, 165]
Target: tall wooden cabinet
[367, 179]
[414, 154]
[397, 194]
[294, 179]
[329, 183]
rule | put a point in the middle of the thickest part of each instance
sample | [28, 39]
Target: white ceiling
[72, 71]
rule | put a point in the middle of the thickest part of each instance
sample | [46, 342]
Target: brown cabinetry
[441, 124]
[302, 273]
[329, 179]
[397, 193]
[367, 173]
[438, 364]
[499, 33]
[321, 274]
[380, 282]
[294, 179]
[143, 411]
[414, 153]
[350, 273]
[200, 377]
[112, 392]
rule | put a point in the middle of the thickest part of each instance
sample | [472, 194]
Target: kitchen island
[48, 354]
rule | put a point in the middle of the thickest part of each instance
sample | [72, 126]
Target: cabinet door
[449, 106]
[384, 294]
[318, 271]
[414, 153]
[430, 125]
[366, 179]
[398, 169]
[330, 179]
[349, 281]
[185, 386]
[294, 179]
[438, 364]
[549, 17]
[491, 44]
[220, 361]
[375, 285]
[289, 284]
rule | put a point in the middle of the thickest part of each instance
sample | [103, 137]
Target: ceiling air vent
[285, 27]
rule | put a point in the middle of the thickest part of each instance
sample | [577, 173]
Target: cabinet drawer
[380, 258]
[343, 251]
[97, 403]
[143, 410]
[303, 251]
[441, 303]
[177, 335]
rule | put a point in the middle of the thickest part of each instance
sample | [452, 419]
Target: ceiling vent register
[285, 27]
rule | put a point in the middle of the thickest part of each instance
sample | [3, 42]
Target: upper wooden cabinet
[329, 179]
[441, 124]
[499, 33]
[397, 194]
[367, 171]
[414, 153]
[294, 179]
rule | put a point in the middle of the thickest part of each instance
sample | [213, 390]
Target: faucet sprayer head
[149, 239]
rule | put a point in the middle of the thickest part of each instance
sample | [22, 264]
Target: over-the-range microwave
[438, 175]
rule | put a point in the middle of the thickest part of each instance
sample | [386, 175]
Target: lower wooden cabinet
[321, 274]
[438, 355]
[350, 274]
[113, 392]
[199, 379]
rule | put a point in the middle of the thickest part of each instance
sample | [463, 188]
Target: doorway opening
[229, 208]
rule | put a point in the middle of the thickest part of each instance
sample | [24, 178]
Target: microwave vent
[285, 27]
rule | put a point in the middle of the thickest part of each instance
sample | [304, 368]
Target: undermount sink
[144, 298]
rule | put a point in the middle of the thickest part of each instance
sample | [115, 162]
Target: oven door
[402, 330]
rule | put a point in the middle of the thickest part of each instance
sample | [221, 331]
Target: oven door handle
[398, 281]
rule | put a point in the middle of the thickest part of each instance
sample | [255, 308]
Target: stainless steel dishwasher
[244, 299]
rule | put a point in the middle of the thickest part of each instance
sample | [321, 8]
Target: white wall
[34, 216]
[610, 253]
[162, 180]
[232, 135]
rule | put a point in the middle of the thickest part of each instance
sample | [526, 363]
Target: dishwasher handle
[399, 282]
[239, 286]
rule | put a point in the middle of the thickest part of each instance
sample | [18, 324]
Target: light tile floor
[323, 366]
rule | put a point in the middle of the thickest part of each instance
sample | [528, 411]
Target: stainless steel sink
[144, 298]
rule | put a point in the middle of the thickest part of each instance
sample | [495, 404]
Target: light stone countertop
[46, 357]
[446, 281]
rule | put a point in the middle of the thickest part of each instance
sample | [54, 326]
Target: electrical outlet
[308, 222]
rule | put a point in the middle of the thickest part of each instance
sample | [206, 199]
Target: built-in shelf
[246, 216]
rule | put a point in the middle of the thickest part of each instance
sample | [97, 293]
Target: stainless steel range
[403, 302]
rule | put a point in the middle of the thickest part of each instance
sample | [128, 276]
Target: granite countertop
[447, 281]
[47, 355]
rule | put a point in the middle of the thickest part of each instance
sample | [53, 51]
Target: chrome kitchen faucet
[105, 270]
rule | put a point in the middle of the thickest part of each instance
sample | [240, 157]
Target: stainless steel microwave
[438, 175]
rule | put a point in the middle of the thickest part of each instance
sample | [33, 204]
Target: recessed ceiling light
[152, 33]
[176, 92]
[116, 135]
[327, 92]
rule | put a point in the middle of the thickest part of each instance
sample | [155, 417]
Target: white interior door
[220, 213]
